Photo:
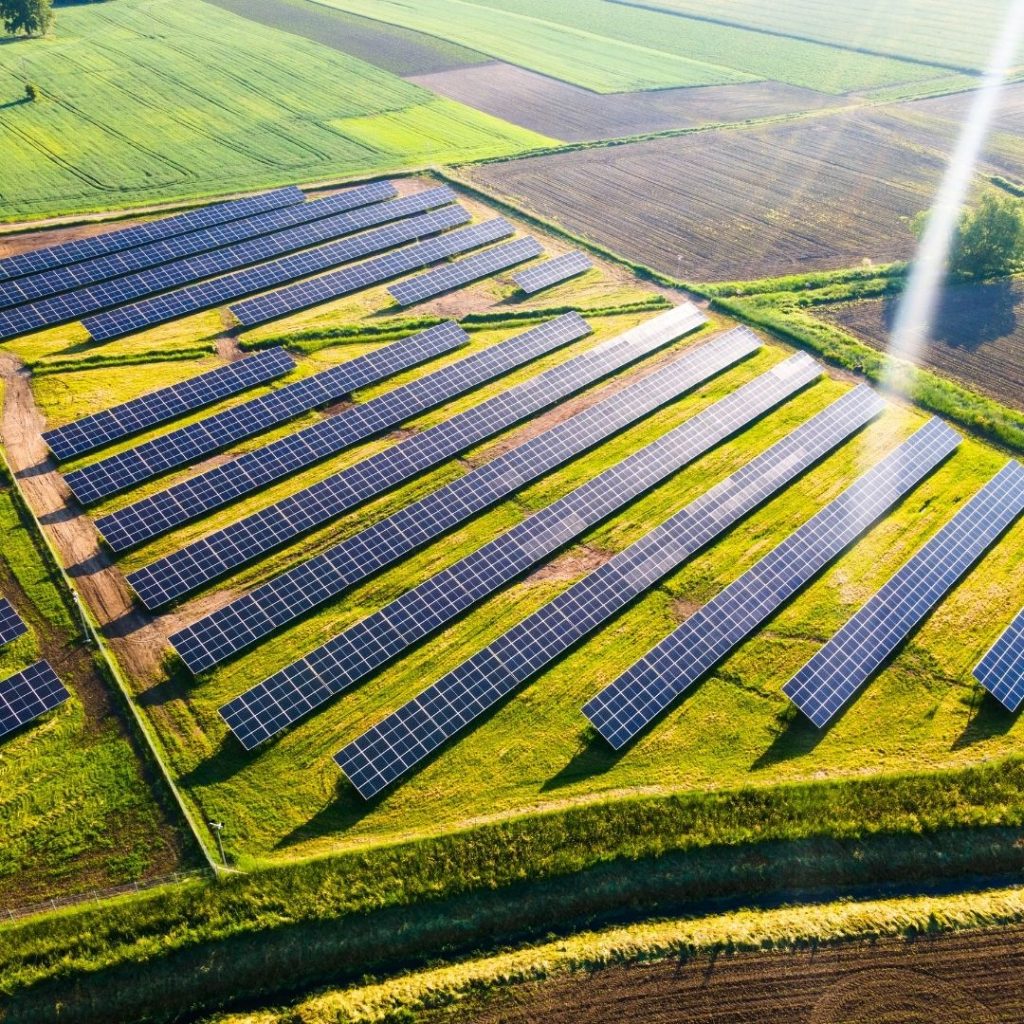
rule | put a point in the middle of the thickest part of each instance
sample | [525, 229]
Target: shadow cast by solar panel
[46, 465]
[345, 809]
[988, 720]
[797, 737]
[89, 566]
[594, 758]
[221, 766]
[61, 515]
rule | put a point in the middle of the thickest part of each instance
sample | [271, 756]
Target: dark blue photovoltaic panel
[140, 234]
[310, 583]
[29, 694]
[554, 271]
[11, 626]
[472, 268]
[278, 701]
[102, 428]
[212, 556]
[390, 749]
[831, 678]
[118, 264]
[627, 706]
[252, 471]
[343, 282]
[173, 305]
[189, 443]
[1001, 671]
[57, 309]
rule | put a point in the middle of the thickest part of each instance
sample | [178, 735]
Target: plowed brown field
[958, 978]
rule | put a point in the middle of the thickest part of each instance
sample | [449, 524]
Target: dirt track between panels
[957, 978]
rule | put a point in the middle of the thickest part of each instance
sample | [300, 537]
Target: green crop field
[609, 48]
[932, 31]
[139, 105]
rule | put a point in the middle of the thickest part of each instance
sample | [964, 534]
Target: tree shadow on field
[971, 315]
[988, 719]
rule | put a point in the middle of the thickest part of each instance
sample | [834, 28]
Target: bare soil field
[818, 194]
[979, 335]
[566, 112]
[395, 49]
[955, 978]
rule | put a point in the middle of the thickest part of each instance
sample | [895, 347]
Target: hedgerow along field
[137, 106]
[608, 48]
[78, 811]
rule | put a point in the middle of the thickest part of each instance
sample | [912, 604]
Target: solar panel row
[28, 694]
[390, 749]
[343, 282]
[289, 596]
[72, 305]
[628, 705]
[256, 469]
[117, 264]
[101, 428]
[1001, 671]
[189, 443]
[472, 268]
[553, 271]
[830, 679]
[340, 663]
[126, 238]
[11, 626]
[212, 556]
[161, 308]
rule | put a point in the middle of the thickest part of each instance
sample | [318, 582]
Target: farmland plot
[815, 195]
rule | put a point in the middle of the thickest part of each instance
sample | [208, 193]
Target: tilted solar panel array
[287, 597]
[125, 238]
[176, 304]
[191, 442]
[102, 428]
[117, 264]
[291, 693]
[343, 282]
[11, 626]
[831, 678]
[72, 305]
[472, 268]
[553, 271]
[256, 469]
[390, 749]
[29, 694]
[628, 705]
[1001, 671]
[212, 556]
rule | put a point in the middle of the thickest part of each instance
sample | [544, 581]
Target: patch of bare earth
[957, 978]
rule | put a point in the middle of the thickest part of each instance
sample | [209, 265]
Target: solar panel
[58, 309]
[262, 308]
[11, 626]
[553, 271]
[390, 749]
[102, 428]
[212, 556]
[191, 442]
[1001, 671]
[831, 678]
[117, 264]
[289, 694]
[126, 238]
[219, 290]
[254, 470]
[293, 593]
[639, 695]
[472, 268]
[29, 694]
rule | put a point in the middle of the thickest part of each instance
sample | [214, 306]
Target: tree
[27, 17]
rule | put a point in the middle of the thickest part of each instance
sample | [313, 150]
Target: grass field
[932, 31]
[77, 810]
[137, 106]
[608, 48]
